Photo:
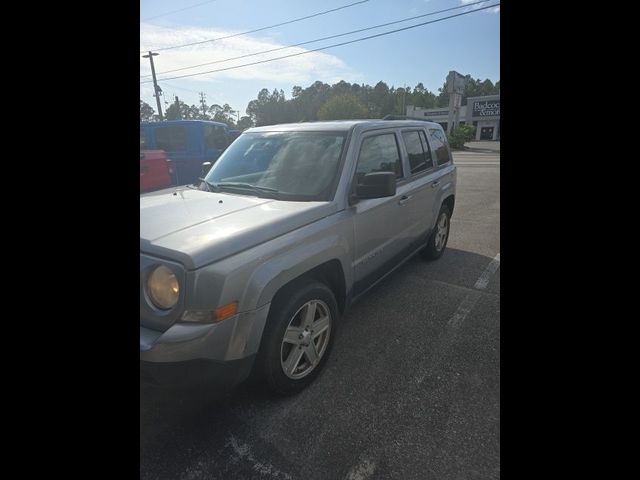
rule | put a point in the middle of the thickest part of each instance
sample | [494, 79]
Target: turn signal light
[225, 312]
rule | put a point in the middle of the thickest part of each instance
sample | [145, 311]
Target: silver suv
[251, 270]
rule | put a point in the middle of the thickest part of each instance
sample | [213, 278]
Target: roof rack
[404, 117]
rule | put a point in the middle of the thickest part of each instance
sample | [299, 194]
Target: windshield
[292, 165]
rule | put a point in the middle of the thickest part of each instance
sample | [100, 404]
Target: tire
[437, 243]
[286, 366]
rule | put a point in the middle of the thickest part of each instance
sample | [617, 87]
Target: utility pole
[404, 95]
[178, 108]
[202, 103]
[156, 87]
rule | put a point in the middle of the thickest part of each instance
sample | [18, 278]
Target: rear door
[421, 194]
[380, 224]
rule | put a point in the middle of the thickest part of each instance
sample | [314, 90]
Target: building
[481, 112]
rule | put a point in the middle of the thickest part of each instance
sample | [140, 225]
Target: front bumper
[209, 373]
[196, 352]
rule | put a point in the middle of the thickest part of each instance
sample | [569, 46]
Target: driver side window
[379, 153]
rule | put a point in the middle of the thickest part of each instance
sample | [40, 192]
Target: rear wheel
[440, 235]
[298, 337]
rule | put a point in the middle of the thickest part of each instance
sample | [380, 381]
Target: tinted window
[440, 146]
[427, 149]
[379, 154]
[171, 139]
[419, 155]
[215, 137]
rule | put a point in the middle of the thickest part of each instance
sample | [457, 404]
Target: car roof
[341, 125]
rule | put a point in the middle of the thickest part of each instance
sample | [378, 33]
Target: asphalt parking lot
[411, 391]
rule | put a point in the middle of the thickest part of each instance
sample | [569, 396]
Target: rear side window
[215, 137]
[440, 146]
[379, 154]
[171, 139]
[418, 151]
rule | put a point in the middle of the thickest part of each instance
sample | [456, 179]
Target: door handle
[435, 184]
[404, 200]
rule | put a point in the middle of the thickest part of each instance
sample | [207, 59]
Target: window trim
[418, 130]
[446, 145]
[376, 133]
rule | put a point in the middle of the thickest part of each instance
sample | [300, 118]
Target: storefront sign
[486, 108]
[438, 112]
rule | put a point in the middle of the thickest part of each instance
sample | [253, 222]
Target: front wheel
[438, 238]
[298, 337]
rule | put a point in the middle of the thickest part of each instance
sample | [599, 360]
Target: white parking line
[361, 471]
[464, 309]
[458, 317]
[483, 281]
[472, 298]
[243, 453]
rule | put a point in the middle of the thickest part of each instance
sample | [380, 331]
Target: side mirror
[206, 166]
[376, 185]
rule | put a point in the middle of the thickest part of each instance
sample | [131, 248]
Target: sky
[469, 44]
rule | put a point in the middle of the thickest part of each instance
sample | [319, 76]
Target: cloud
[297, 70]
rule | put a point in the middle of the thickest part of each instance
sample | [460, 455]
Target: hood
[196, 227]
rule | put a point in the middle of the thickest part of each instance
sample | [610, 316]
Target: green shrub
[460, 135]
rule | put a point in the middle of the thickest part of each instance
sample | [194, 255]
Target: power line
[259, 29]
[319, 39]
[179, 10]
[181, 88]
[329, 46]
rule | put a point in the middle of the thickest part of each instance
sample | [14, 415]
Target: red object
[154, 170]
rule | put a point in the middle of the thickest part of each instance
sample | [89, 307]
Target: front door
[380, 224]
[486, 133]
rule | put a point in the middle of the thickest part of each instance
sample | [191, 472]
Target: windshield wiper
[208, 184]
[244, 185]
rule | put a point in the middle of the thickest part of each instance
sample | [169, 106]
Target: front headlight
[163, 288]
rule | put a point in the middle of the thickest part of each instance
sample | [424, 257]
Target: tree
[306, 104]
[224, 114]
[146, 112]
[343, 107]
[379, 100]
[421, 97]
[269, 108]
[182, 112]
[244, 123]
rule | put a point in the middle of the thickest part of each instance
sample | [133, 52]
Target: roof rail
[404, 117]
